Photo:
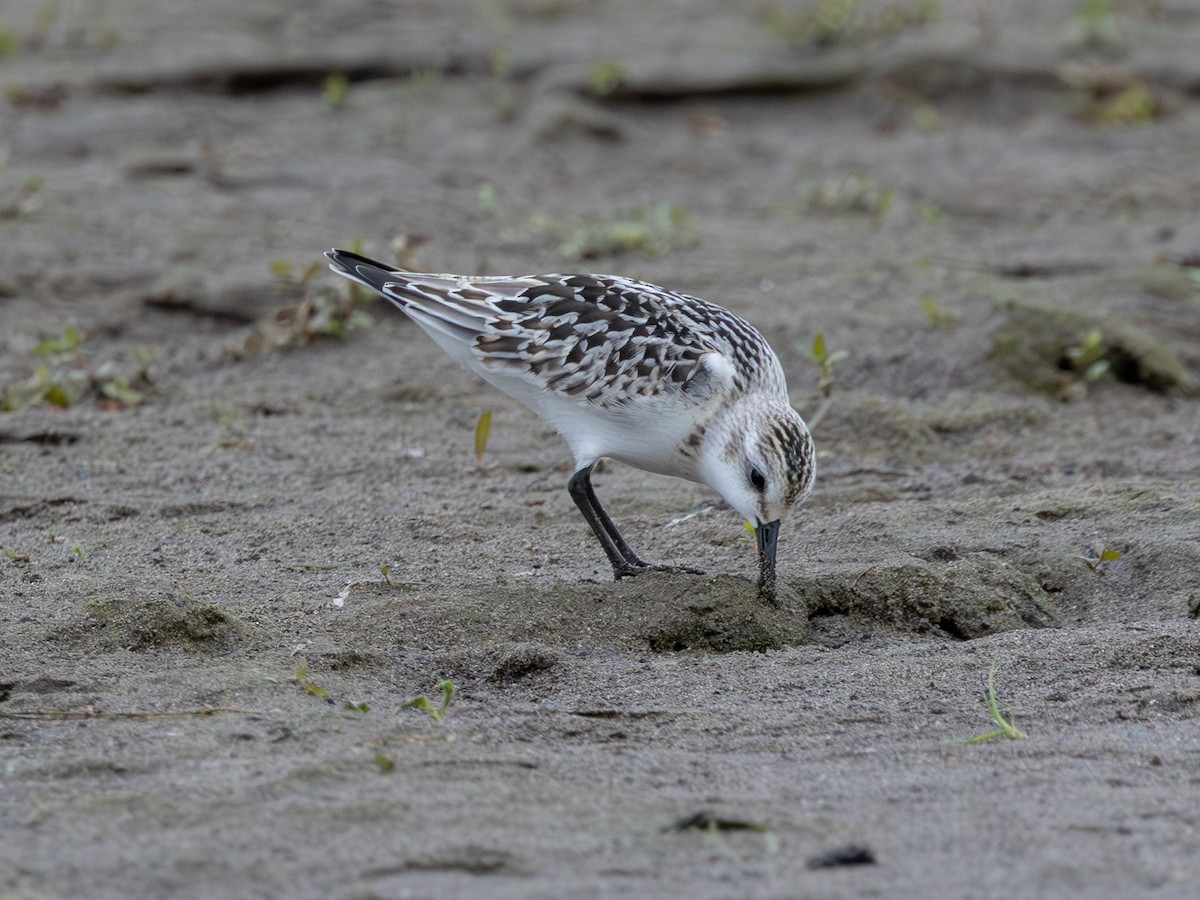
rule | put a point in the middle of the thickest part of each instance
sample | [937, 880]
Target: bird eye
[757, 480]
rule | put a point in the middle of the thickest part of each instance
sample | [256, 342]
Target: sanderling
[624, 369]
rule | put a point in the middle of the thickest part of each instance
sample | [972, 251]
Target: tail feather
[416, 295]
[365, 271]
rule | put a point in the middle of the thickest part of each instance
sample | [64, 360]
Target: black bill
[766, 536]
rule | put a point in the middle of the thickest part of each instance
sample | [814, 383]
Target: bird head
[759, 457]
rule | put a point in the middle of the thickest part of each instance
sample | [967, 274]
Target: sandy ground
[204, 670]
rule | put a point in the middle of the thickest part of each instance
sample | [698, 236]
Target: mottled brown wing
[610, 340]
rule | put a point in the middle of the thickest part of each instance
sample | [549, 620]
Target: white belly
[647, 436]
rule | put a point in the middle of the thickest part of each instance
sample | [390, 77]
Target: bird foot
[641, 568]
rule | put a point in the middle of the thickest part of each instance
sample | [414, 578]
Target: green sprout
[938, 317]
[1004, 728]
[357, 707]
[1096, 25]
[649, 230]
[59, 387]
[437, 713]
[820, 357]
[301, 678]
[118, 392]
[28, 198]
[9, 42]
[832, 22]
[1102, 556]
[858, 193]
[925, 117]
[483, 429]
[1088, 357]
[606, 76]
[285, 271]
[1136, 105]
[70, 338]
[932, 214]
[322, 309]
[486, 197]
[383, 763]
[334, 89]
[47, 15]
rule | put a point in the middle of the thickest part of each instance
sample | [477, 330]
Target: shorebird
[627, 370]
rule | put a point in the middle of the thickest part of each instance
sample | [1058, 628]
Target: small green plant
[486, 197]
[15, 556]
[938, 317]
[9, 42]
[357, 707]
[301, 679]
[334, 90]
[606, 76]
[820, 357]
[1004, 728]
[47, 16]
[66, 342]
[59, 387]
[324, 309]
[859, 193]
[1087, 358]
[383, 763]
[832, 22]
[65, 377]
[1136, 105]
[119, 393]
[284, 271]
[28, 198]
[1096, 26]
[483, 430]
[925, 117]
[932, 214]
[1103, 555]
[648, 230]
[437, 713]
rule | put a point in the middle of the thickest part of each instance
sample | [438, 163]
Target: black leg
[620, 554]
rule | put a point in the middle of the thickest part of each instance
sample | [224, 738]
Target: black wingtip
[362, 269]
[346, 261]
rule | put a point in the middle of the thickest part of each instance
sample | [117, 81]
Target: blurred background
[884, 173]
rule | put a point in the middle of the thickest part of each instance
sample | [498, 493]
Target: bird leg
[620, 554]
